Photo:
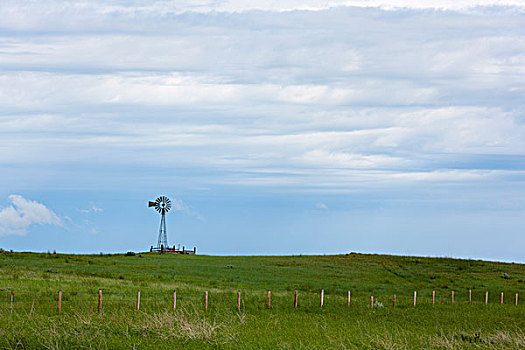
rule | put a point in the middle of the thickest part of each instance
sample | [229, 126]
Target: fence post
[486, 297]
[415, 298]
[433, 296]
[206, 301]
[138, 300]
[12, 300]
[322, 297]
[269, 298]
[394, 301]
[452, 298]
[99, 299]
[174, 300]
[239, 300]
[295, 300]
[470, 296]
[59, 300]
[348, 299]
[371, 301]
[516, 301]
[501, 298]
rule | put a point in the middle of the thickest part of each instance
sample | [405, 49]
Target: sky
[275, 127]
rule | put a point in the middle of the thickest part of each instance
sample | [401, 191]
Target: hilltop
[362, 273]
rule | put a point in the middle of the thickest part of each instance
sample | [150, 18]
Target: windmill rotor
[162, 204]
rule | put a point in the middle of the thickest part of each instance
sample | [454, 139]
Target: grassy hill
[36, 279]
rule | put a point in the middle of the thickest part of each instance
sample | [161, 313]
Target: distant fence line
[20, 300]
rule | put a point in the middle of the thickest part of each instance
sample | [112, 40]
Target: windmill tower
[162, 205]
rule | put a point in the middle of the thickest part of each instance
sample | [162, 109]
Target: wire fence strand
[12, 300]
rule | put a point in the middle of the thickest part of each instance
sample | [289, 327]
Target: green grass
[36, 279]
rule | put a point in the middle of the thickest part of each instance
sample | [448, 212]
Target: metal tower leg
[163, 237]
[165, 234]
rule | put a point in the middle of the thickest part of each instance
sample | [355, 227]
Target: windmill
[162, 205]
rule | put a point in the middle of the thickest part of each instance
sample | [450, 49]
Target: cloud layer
[23, 213]
[332, 94]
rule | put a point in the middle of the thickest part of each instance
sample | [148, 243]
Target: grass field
[36, 279]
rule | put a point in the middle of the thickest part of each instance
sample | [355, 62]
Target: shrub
[130, 254]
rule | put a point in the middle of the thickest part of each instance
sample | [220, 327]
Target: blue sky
[276, 127]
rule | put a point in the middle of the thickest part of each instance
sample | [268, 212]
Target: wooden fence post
[295, 300]
[371, 301]
[99, 299]
[138, 300]
[433, 296]
[394, 301]
[516, 301]
[415, 298]
[206, 301]
[486, 297]
[348, 299]
[174, 300]
[452, 298]
[59, 301]
[239, 300]
[269, 298]
[470, 296]
[501, 298]
[322, 297]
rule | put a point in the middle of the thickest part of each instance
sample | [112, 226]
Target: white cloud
[323, 158]
[92, 209]
[179, 205]
[23, 213]
[321, 206]
[94, 14]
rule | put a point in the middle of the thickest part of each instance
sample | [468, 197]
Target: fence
[53, 302]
